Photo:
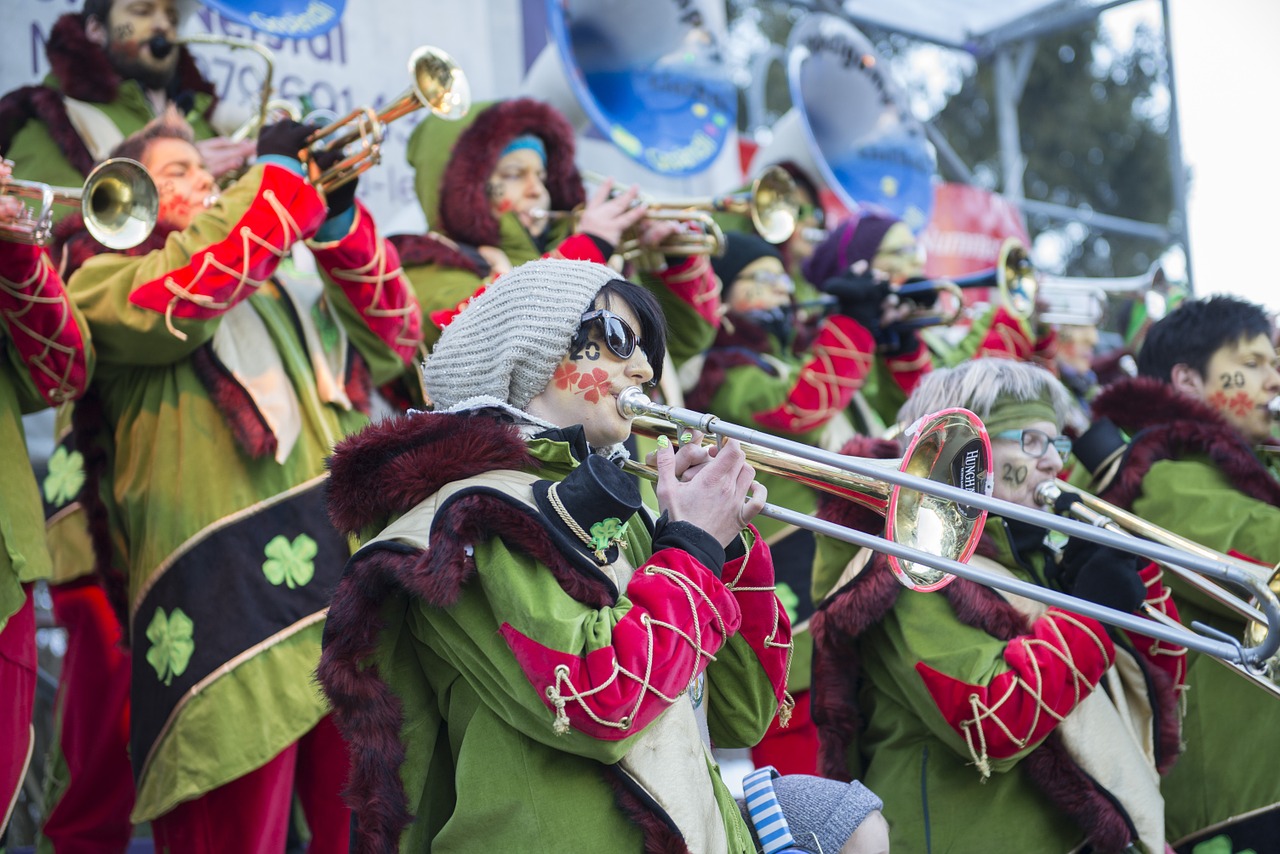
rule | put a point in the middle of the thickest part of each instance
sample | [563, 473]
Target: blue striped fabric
[766, 814]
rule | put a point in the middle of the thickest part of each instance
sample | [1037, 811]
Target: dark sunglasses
[618, 335]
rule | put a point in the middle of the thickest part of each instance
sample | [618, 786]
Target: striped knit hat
[502, 349]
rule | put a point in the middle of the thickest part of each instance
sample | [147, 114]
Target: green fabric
[1008, 414]
[912, 758]
[178, 470]
[451, 664]
[37, 157]
[1227, 769]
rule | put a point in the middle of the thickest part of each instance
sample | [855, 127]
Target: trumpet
[956, 498]
[118, 201]
[772, 203]
[1083, 302]
[436, 83]
[1093, 510]
[1014, 277]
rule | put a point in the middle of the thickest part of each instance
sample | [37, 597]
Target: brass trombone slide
[1095, 511]
[633, 402]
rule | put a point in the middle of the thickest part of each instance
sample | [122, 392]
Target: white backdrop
[361, 62]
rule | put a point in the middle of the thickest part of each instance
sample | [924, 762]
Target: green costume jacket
[223, 391]
[1188, 471]
[500, 689]
[47, 360]
[988, 722]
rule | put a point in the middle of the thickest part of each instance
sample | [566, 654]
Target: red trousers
[251, 814]
[18, 690]
[793, 750]
[91, 813]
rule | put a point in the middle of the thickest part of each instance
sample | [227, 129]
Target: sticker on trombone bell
[969, 472]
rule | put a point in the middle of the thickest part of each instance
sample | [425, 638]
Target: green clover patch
[606, 533]
[65, 478]
[172, 643]
[290, 563]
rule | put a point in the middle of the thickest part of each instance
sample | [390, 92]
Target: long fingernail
[686, 437]
[664, 442]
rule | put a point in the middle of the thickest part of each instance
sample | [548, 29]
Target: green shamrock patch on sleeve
[65, 477]
[290, 563]
[172, 643]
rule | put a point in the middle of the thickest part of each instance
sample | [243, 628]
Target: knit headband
[528, 141]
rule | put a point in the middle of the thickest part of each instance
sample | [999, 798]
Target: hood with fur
[452, 162]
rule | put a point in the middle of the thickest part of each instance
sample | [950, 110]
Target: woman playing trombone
[988, 721]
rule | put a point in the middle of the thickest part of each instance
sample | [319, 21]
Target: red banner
[966, 230]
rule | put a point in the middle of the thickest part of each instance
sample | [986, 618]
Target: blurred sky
[1227, 69]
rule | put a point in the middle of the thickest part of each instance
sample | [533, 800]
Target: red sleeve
[680, 616]
[840, 358]
[38, 318]
[765, 625]
[908, 368]
[367, 268]
[1169, 657]
[1007, 337]
[694, 282]
[1051, 671]
[578, 247]
[218, 277]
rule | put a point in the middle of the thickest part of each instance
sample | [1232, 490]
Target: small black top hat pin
[589, 509]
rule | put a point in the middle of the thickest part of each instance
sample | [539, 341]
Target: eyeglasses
[766, 279]
[1036, 443]
[618, 335]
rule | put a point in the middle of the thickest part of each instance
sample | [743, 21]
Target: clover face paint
[1240, 380]
[585, 385]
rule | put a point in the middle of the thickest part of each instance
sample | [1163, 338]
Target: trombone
[436, 82]
[118, 201]
[1014, 277]
[1093, 510]
[954, 499]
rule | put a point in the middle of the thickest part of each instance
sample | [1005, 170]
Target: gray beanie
[502, 349]
[818, 814]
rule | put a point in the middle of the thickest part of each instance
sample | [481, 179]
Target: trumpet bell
[775, 205]
[439, 84]
[120, 203]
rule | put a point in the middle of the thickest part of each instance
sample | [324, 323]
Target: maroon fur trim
[659, 837]
[366, 710]
[91, 436]
[40, 103]
[464, 198]
[1166, 425]
[1168, 717]
[358, 382]
[235, 403]
[417, 250]
[393, 465]
[1071, 790]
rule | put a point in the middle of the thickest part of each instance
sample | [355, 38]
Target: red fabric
[765, 625]
[251, 813]
[1171, 658]
[92, 814]
[694, 282]
[36, 314]
[908, 368]
[794, 749]
[1052, 670]
[578, 247]
[18, 687]
[367, 269]
[641, 645]
[221, 275]
[841, 359]
[1005, 338]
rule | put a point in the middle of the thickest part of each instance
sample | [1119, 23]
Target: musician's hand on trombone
[223, 156]
[713, 488]
[1103, 575]
[607, 216]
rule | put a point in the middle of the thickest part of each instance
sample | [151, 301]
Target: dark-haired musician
[1196, 415]
[987, 721]
[223, 384]
[47, 361]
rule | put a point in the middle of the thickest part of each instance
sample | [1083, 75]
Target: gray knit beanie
[817, 814]
[502, 349]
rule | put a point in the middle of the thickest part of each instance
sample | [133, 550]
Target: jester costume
[987, 721]
[1187, 470]
[222, 390]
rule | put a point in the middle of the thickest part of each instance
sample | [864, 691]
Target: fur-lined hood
[1167, 425]
[391, 466]
[452, 162]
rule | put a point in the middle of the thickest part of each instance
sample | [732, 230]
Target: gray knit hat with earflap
[502, 349]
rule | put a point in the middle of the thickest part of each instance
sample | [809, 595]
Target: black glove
[341, 199]
[285, 138]
[1103, 575]
[924, 297]
[860, 297]
[898, 340]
